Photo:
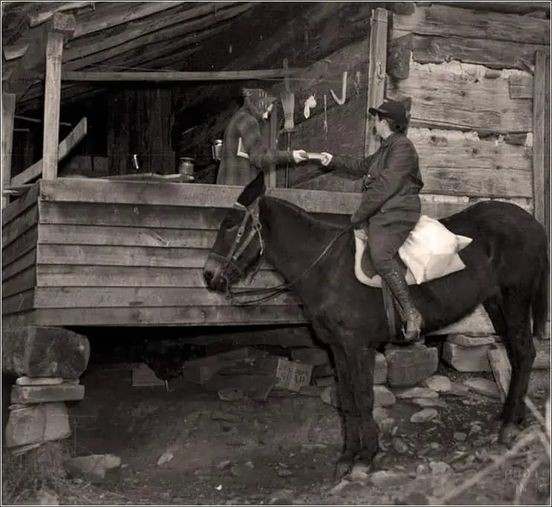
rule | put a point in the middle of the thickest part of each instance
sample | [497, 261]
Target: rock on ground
[36, 424]
[425, 415]
[409, 365]
[466, 359]
[93, 467]
[483, 386]
[438, 383]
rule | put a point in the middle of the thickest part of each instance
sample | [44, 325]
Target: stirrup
[417, 333]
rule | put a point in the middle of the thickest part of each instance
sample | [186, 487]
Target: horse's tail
[539, 303]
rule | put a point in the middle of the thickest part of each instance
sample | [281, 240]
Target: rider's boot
[399, 288]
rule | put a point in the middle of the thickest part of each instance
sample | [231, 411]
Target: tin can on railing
[186, 167]
[216, 149]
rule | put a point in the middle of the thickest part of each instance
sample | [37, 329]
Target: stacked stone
[468, 353]
[398, 367]
[47, 363]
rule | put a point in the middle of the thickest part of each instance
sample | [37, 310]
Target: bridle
[231, 259]
[233, 255]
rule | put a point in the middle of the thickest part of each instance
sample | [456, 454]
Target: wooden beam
[442, 20]
[61, 25]
[8, 110]
[505, 7]
[148, 32]
[15, 51]
[108, 15]
[376, 73]
[166, 76]
[74, 138]
[539, 119]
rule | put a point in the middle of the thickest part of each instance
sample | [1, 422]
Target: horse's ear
[253, 190]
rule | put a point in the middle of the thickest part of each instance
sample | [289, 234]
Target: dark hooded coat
[390, 204]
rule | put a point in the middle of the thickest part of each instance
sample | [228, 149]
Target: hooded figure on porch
[243, 152]
[390, 204]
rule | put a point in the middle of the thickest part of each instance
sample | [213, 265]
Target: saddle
[429, 252]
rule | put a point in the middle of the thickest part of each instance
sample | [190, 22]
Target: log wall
[469, 76]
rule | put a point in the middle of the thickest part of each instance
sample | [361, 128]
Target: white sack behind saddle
[429, 252]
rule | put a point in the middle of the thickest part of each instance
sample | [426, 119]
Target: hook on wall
[341, 101]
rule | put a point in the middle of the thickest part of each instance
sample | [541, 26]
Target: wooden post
[271, 181]
[8, 110]
[376, 73]
[61, 25]
[539, 147]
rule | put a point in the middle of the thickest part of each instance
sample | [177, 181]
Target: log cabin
[100, 100]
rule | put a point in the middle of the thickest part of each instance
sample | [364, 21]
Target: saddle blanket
[429, 252]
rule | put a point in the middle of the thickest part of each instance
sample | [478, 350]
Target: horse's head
[239, 245]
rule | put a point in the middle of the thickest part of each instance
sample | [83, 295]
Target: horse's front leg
[361, 361]
[350, 414]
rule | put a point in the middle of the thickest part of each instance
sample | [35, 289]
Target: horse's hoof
[508, 434]
[342, 468]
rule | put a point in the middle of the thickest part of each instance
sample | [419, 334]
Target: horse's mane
[305, 215]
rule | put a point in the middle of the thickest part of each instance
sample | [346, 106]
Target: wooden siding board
[19, 265]
[19, 225]
[491, 53]
[181, 194]
[466, 150]
[121, 256]
[474, 182]
[18, 303]
[19, 247]
[179, 316]
[446, 21]
[129, 276]
[125, 236]
[128, 215]
[20, 205]
[21, 282]
[114, 297]
[539, 120]
[459, 96]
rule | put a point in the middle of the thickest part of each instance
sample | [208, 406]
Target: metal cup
[216, 149]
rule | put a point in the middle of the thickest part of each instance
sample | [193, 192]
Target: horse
[506, 271]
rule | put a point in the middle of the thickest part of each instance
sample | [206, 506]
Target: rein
[266, 293]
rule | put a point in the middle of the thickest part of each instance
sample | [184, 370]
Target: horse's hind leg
[518, 341]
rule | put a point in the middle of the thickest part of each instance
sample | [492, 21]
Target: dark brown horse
[506, 271]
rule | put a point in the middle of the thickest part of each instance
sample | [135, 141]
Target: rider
[390, 204]
[243, 152]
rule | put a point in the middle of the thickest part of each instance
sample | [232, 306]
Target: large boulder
[35, 351]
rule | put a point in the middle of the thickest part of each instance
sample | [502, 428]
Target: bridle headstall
[237, 249]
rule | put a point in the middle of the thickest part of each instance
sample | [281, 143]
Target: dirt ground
[283, 451]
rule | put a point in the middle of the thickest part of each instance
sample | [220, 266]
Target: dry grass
[527, 463]
[40, 475]
[40, 468]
